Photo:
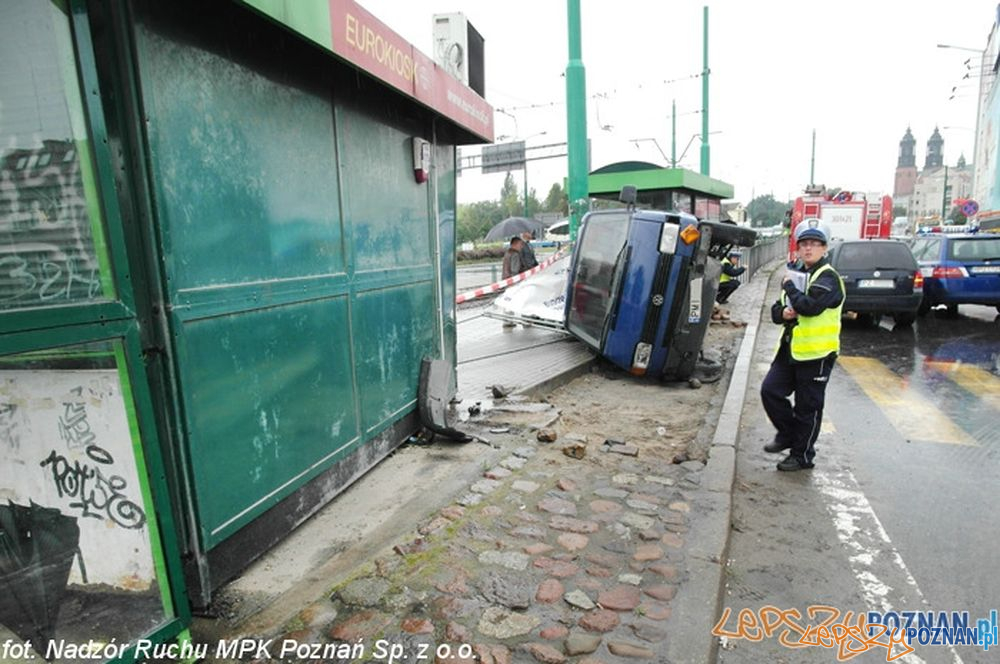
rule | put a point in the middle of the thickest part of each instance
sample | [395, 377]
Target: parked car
[881, 277]
[959, 269]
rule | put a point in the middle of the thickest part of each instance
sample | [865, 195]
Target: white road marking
[862, 534]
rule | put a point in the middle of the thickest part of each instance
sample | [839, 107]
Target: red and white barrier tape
[510, 281]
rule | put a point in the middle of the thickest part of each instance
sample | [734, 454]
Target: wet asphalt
[901, 511]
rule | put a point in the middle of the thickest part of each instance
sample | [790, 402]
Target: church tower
[935, 151]
[906, 169]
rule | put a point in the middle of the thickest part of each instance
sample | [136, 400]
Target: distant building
[735, 212]
[922, 193]
[906, 170]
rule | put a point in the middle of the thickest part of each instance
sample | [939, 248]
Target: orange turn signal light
[690, 234]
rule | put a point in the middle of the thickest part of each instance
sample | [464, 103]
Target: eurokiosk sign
[368, 43]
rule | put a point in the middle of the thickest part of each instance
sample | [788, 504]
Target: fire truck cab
[846, 215]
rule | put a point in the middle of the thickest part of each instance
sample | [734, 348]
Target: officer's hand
[788, 314]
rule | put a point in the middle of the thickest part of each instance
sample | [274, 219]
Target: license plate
[986, 269]
[875, 283]
[694, 311]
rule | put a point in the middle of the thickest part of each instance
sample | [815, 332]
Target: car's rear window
[926, 249]
[868, 255]
[974, 249]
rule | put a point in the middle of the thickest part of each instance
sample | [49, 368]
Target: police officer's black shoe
[791, 463]
[776, 446]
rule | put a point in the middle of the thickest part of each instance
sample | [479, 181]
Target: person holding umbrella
[528, 259]
[512, 263]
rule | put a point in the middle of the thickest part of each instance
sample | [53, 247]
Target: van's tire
[723, 233]
[925, 306]
[952, 311]
[904, 319]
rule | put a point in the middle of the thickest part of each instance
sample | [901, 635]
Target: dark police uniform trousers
[798, 426]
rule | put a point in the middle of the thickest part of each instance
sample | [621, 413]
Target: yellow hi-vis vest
[725, 277]
[815, 337]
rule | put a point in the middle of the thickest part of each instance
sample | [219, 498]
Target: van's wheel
[952, 311]
[904, 319]
[925, 306]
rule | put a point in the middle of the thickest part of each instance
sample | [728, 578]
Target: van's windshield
[599, 248]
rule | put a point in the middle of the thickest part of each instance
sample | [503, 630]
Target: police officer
[731, 269]
[810, 341]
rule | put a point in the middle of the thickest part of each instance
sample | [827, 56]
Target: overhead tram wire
[606, 94]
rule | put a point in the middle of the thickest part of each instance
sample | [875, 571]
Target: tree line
[476, 219]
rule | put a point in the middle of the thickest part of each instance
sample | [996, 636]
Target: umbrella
[512, 226]
[37, 545]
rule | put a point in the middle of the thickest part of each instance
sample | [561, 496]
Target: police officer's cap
[810, 229]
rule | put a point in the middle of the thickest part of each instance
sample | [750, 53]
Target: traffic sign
[503, 157]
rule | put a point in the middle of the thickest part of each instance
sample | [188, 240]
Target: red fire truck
[846, 215]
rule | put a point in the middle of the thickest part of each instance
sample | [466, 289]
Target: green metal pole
[673, 134]
[704, 102]
[576, 121]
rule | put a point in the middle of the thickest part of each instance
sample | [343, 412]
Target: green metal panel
[244, 167]
[269, 397]
[394, 330]
[387, 209]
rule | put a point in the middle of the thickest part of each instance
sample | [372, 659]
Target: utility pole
[576, 121]
[704, 100]
[526, 216]
[812, 162]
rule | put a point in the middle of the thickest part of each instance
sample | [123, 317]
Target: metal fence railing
[765, 251]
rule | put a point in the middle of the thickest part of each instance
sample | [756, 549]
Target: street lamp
[979, 109]
[541, 133]
[961, 48]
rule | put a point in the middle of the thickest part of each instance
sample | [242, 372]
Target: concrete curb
[699, 600]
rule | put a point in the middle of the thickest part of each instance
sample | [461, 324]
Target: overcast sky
[857, 72]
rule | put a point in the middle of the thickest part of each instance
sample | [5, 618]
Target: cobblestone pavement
[546, 559]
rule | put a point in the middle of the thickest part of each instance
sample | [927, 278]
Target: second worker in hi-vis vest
[809, 309]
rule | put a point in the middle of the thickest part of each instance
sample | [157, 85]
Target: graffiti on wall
[65, 434]
[95, 494]
[47, 252]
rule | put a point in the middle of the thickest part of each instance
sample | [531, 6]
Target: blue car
[959, 269]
